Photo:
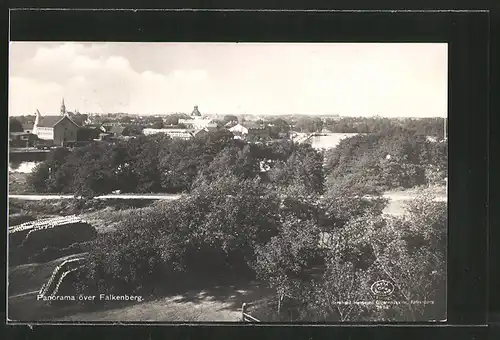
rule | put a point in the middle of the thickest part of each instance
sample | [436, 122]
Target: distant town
[72, 128]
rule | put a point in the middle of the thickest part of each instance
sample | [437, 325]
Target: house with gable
[57, 129]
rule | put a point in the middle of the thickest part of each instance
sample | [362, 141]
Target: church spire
[63, 108]
[38, 116]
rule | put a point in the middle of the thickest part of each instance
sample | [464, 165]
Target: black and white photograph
[227, 182]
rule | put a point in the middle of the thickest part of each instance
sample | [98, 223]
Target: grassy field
[217, 303]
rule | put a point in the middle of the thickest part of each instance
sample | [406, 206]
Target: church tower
[63, 108]
[195, 112]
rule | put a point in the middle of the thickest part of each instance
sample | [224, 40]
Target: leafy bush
[283, 260]
[395, 159]
[304, 167]
[212, 232]
[408, 252]
[138, 256]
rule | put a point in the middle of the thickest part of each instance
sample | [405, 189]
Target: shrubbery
[239, 227]
[408, 252]
[213, 232]
[392, 160]
[160, 164]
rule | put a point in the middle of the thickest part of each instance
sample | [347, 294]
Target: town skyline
[388, 80]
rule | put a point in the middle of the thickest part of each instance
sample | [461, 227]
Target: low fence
[59, 273]
[245, 317]
[56, 289]
[46, 223]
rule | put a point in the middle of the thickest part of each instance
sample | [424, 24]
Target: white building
[59, 129]
[174, 133]
[197, 122]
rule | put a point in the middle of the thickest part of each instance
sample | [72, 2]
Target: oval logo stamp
[382, 288]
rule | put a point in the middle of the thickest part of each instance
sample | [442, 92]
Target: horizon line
[238, 114]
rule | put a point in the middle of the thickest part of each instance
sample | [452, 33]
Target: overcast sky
[393, 80]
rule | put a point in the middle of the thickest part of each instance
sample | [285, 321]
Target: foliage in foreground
[409, 252]
[243, 228]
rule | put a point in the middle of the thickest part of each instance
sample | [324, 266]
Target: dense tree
[304, 167]
[423, 126]
[408, 252]
[38, 177]
[309, 124]
[232, 160]
[282, 262]
[229, 118]
[215, 230]
[279, 127]
[15, 125]
[173, 119]
[158, 125]
[55, 174]
[85, 134]
[395, 159]
[125, 120]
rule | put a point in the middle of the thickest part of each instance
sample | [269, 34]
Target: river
[329, 140]
[22, 167]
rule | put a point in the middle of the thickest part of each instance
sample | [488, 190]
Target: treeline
[161, 164]
[153, 164]
[398, 158]
[249, 229]
[423, 126]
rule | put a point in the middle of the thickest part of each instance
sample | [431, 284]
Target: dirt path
[221, 303]
[24, 294]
